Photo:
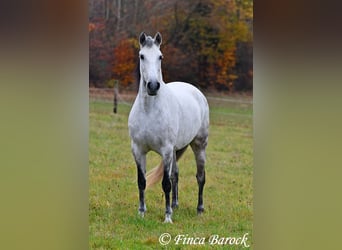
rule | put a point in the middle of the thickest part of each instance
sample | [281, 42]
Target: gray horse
[166, 118]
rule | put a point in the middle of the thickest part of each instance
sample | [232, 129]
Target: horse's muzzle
[152, 88]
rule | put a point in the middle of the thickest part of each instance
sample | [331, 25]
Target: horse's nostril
[149, 85]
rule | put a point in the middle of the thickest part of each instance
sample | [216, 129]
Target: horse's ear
[142, 39]
[158, 39]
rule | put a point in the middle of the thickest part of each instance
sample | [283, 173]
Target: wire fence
[236, 104]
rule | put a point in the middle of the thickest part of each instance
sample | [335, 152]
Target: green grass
[113, 196]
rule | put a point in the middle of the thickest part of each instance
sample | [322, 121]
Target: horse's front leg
[166, 183]
[140, 160]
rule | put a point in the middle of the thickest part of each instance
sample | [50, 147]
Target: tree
[124, 62]
[205, 42]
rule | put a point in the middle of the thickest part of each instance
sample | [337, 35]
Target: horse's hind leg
[174, 176]
[198, 145]
[174, 181]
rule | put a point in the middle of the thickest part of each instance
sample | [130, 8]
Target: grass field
[113, 196]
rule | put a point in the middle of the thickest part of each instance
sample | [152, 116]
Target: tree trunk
[118, 15]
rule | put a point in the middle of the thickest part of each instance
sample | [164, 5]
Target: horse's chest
[153, 130]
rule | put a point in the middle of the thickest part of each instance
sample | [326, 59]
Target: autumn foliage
[124, 63]
[205, 42]
[221, 71]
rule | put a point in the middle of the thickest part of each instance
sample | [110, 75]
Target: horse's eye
[160, 57]
[142, 57]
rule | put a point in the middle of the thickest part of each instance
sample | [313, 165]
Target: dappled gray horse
[166, 118]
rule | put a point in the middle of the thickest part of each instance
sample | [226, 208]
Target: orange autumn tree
[124, 63]
[221, 72]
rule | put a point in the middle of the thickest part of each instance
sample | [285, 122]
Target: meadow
[228, 193]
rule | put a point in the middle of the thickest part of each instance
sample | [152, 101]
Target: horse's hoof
[200, 210]
[142, 210]
[168, 219]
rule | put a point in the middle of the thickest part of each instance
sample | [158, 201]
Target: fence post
[116, 86]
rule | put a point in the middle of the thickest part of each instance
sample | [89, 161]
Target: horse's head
[150, 62]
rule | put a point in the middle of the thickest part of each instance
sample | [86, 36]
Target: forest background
[208, 43]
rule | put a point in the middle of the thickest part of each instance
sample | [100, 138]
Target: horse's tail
[156, 174]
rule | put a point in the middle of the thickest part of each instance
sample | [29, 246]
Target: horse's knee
[141, 179]
[169, 169]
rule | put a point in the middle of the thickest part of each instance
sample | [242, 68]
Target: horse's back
[185, 90]
[194, 111]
